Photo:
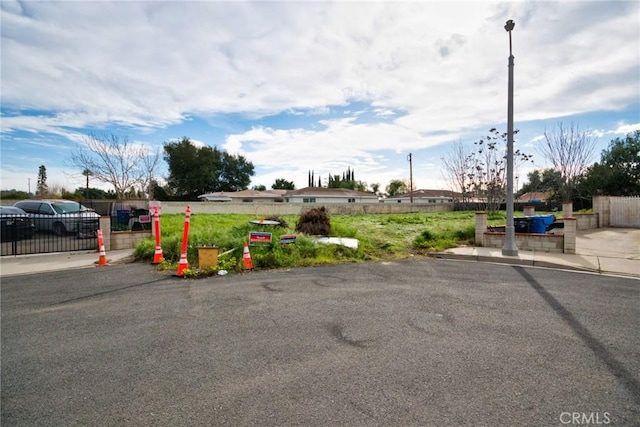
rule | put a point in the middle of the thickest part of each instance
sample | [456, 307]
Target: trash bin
[522, 224]
[122, 216]
[540, 223]
[207, 257]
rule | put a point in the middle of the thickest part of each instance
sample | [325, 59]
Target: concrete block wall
[268, 209]
[553, 243]
[120, 239]
[127, 239]
[586, 221]
[602, 207]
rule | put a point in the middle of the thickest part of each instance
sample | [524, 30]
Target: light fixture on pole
[510, 248]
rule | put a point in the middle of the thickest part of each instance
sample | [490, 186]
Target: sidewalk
[56, 261]
[607, 250]
[603, 250]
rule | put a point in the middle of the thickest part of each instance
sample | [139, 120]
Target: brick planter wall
[558, 243]
[528, 241]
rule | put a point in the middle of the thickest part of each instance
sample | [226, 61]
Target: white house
[322, 195]
[424, 197]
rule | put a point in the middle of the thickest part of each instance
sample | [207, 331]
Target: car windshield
[68, 207]
[10, 210]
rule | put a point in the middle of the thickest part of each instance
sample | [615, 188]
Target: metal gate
[21, 235]
[625, 211]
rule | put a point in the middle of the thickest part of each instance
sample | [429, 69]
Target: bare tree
[150, 162]
[480, 173]
[116, 161]
[569, 150]
[455, 168]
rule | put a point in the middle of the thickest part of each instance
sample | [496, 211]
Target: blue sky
[295, 86]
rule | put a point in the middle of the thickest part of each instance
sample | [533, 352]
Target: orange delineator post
[158, 256]
[246, 257]
[183, 264]
[102, 259]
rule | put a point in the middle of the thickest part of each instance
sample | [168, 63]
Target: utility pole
[29, 185]
[409, 158]
[510, 248]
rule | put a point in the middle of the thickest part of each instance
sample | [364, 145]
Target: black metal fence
[126, 215]
[42, 230]
[32, 234]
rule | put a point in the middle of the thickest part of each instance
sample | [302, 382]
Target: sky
[299, 86]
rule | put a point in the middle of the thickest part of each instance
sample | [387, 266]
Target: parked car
[61, 216]
[15, 224]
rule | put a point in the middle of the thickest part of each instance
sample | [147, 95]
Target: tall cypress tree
[42, 188]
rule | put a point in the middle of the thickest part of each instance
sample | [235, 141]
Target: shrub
[314, 222]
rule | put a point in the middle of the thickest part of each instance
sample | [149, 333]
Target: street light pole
[510, 248]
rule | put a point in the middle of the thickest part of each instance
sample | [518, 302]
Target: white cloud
[150, 65]
[624, 129]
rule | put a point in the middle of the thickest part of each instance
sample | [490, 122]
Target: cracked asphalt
[420, 342]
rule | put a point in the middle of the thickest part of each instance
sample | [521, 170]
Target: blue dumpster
[540, 223]
[122, 217]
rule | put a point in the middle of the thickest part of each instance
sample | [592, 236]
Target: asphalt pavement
[423, 342]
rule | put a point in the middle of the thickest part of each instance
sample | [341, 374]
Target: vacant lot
[380, 236]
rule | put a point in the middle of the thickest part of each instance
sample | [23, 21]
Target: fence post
[105, 225]
[481, 227]
[529, 210]
[569, 235]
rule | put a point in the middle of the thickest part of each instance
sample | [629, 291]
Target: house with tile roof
[534, 197]
[322, 195]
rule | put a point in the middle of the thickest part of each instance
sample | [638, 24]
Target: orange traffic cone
[182, 265]
[158, 257]
[102, 259]
[246, 257]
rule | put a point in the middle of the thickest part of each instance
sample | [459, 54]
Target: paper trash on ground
[344, 241]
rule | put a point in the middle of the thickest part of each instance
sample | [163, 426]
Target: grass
[381, 237]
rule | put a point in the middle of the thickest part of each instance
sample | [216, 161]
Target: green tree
[396, 187]
[93, 193]
[14, 194]
[259, 187]
[41, 188]
[547, 180]
[618, 172]
[283, 184]
[197, 170]
[161, 192]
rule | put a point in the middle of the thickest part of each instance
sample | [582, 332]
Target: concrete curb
[512, 261]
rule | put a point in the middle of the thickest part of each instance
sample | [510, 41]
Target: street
[415, 342]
